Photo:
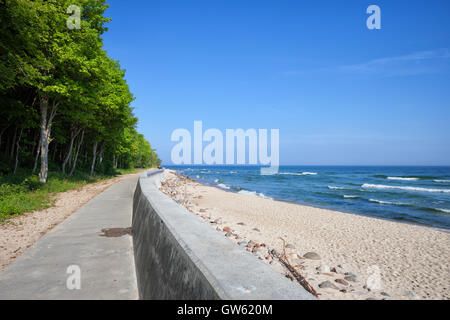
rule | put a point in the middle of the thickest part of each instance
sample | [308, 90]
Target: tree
[61, 92]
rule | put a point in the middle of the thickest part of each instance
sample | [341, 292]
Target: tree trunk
[46, 123]
[102, 149]
[13, 143]
[76, 154]
[17, 151]
[73, 135]
[38, 152]
[94, 157]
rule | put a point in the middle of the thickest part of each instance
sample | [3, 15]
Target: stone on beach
[311, 256]
[328, 285]
[292, 256]
[227, 229]
[341, 281]
[349, 276]
[323, 268]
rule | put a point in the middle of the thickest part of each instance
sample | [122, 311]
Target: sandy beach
[347, 256]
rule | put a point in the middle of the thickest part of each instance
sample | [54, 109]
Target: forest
[65, 104]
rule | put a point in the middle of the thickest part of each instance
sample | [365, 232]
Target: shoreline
[412, 258]
[312, 206]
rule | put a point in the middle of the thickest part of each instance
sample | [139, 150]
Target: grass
[23, 192]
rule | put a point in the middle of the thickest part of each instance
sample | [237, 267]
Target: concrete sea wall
[178, 256]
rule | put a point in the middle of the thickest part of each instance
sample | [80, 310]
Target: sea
[418, 195]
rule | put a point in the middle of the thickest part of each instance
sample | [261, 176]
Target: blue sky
[340, 94]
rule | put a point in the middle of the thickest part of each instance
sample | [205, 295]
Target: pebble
[311, 256]
[341, 281]
[328, 284]
[228, 234]
[226, 229]
[323, 268]
[275, 252]
[352, 278]
[256, 229]
[202, 210]
[385, 294]
[241, 223]
[292, 256]
[410, 294]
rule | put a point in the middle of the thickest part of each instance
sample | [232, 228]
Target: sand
[412, 260]
[19, 233]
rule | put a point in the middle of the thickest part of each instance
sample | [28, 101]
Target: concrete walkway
[106, 263]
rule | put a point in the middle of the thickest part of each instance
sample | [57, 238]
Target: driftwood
[297, 275]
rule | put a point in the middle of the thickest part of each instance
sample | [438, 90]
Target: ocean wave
[350, 196]
[381, 186]
[335, 188]
[403, 178]
[254, 193]
[216, 180]
[442, 181]
[442, 210]
[223, 186]
[299, 173]
[388, 202]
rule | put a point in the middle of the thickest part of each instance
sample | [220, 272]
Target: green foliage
[43, 60]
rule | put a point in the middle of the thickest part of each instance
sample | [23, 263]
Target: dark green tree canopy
[64, 100]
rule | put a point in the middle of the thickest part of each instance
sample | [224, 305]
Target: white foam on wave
[442, 181]
[387, 202]
[216, 180]
[254, 193]
[223, 186]
[335, 188]
[382, 186]
[442, 210]
[299, 173]
[350, 196]
[403, 178]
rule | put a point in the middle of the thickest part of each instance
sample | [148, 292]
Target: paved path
[106, 263]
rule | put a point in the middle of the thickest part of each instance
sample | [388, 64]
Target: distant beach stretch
[341, 255]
